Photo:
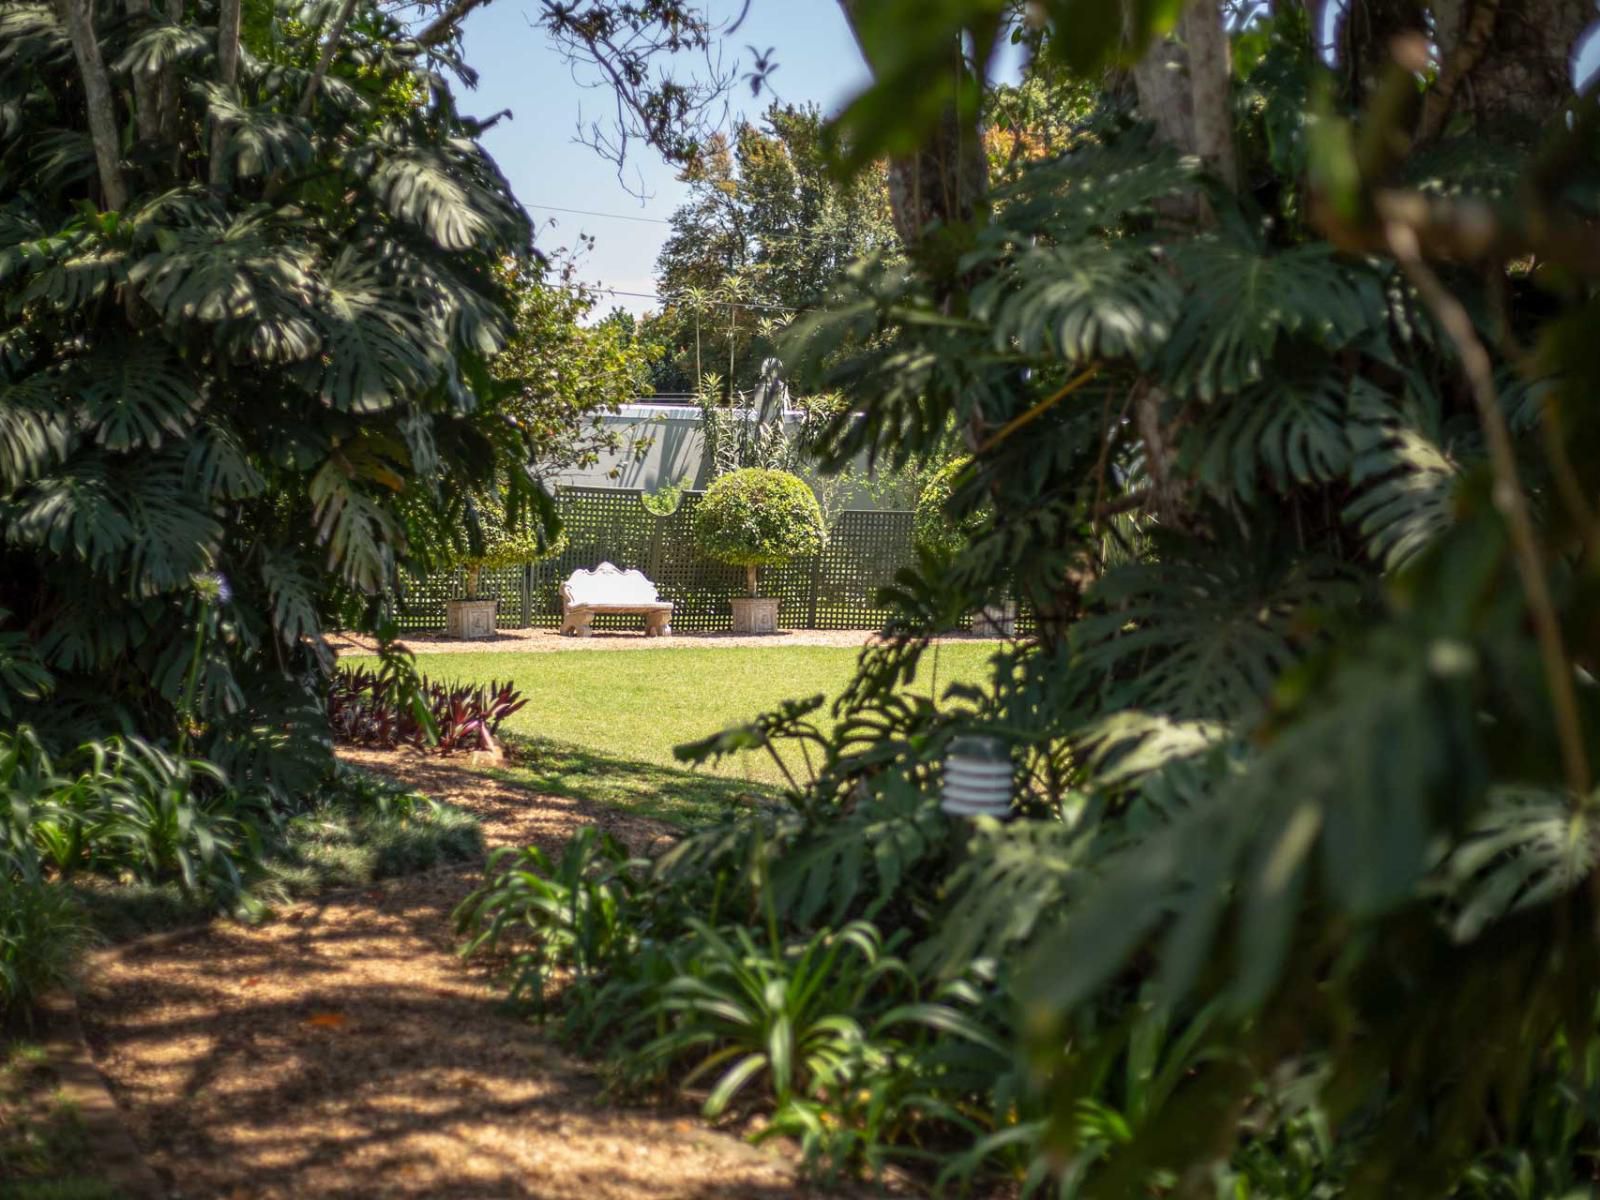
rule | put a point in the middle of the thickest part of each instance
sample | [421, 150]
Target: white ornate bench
[608, 590]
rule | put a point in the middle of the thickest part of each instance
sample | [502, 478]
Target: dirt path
[343, 1051]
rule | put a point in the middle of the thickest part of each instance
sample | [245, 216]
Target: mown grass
[602, 724]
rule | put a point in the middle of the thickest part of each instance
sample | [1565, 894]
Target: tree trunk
[474, 575]
[1210, 76]
[146, 90]
[1524, 75]
[750, 580]
[168, 91]
[1364, 34]
[78, 18]
[946, 182]
[227, 76]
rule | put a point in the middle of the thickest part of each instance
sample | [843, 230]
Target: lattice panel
[832, 590]
[422, 604]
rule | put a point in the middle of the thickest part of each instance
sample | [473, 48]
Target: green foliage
[1299, 894]
[42, 933]
[234, 409]
[756, 518]
[936, 532]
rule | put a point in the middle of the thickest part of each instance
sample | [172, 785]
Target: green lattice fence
[831, 590]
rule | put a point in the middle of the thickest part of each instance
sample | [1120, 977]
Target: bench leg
[577, 624]
[657, 625]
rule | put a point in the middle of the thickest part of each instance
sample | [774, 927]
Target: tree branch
[1466, 55]
[325, 59]
[446, 23]
[1509, 498]
[75, 15]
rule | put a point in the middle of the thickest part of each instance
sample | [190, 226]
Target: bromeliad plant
[382, 709]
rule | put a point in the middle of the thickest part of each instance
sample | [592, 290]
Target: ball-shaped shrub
[756, 518]
[934, 530]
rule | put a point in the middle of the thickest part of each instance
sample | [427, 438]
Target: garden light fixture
[977, 777]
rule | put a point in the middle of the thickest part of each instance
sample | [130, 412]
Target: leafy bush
[935, 531]
[42, 934]
[370, 708]
[122, 807]
[755, 518]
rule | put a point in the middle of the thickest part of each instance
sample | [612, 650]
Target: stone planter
[470, 620]
[996, 620]
[755, 614]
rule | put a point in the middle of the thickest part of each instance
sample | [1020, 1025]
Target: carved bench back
[607, 585]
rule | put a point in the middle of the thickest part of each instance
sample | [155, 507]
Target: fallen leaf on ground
[327, 1020]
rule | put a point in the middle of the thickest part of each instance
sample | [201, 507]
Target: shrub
[757, 518]
[368, 708]
[935, 532]
[42, 933]
[505, 545]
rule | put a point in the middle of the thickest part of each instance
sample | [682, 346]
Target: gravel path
[544, 641]
[343, 1050]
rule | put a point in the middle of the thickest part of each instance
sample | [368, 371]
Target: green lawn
[601, 724]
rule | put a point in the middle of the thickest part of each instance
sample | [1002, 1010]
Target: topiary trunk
[474, 572]
[750, 580]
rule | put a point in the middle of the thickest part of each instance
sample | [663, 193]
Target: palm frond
[37, 429]
[378, 350]
[136, 394]
[1083, 301]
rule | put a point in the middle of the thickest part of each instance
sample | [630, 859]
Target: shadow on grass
[679, 797]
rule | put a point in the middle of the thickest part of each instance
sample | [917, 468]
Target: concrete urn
[755, 614]
[469, 620]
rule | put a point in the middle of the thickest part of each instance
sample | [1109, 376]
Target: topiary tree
[934, 530]
[756, 518]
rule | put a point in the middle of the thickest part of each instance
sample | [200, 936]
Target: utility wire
[610, 216]
[710, 301]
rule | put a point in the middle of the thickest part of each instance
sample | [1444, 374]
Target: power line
[832, 239]
[711, 301]
[584, 212]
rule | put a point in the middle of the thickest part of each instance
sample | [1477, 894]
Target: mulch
[344, 1050]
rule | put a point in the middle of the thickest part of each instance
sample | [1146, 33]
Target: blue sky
[518, 70]
[535, 147]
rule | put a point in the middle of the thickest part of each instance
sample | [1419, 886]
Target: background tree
[251, 295]
[765, 230]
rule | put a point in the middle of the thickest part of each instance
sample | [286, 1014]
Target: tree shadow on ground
[344, 1051]
[681, 798]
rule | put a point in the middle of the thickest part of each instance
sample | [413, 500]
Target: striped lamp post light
[977, 778]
